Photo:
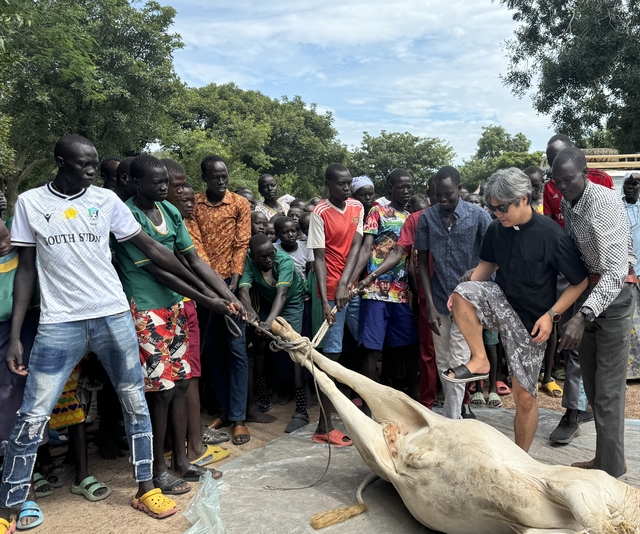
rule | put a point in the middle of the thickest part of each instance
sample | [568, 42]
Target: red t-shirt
[408, 239]
[333, 230]
[552, 198]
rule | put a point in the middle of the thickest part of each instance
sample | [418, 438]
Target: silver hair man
[508, 186]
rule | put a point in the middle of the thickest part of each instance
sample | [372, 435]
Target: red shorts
[163, 336]
[194, 338]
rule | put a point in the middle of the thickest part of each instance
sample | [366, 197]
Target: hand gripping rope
[306, 346]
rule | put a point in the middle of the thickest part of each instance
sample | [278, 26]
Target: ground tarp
[248, 505]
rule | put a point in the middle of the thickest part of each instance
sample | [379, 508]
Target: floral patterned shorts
[524, 356]
[163, 336]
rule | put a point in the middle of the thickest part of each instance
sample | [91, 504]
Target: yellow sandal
[155, 504]
[213, 453]
[552, 389]
[9, 527]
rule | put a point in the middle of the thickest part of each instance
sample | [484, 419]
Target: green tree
[99, 68]
[421, 156]
[579, 61]
[497, 149]
[283, 137]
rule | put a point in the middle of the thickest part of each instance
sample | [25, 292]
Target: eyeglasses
[502, 208]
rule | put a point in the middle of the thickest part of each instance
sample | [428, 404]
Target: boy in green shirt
[156, 299]
[273, 273]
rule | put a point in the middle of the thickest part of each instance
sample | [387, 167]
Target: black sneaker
[584, 417]
[565, 431]
[467, 413]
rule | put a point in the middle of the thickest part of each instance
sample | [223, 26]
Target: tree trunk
[16, 177]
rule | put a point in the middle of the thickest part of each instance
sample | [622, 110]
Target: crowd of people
[156, 302]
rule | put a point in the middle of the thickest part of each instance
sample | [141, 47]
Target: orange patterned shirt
[194, 232]
[221, 232]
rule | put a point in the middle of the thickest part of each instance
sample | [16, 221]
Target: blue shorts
[349, 315]
[389, 322]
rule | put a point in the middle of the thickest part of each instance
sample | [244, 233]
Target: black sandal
[462, 375]
[167, 481]
[194, 473]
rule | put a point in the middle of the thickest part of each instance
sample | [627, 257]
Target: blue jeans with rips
[56, 351]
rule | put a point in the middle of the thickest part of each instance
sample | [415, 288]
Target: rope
[232, 327]
[304, 344]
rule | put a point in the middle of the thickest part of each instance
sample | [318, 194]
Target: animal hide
[461, 476]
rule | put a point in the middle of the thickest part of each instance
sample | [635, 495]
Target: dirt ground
[73, 514]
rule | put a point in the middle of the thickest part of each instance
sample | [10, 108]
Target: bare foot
[108, 450]
[254, 415]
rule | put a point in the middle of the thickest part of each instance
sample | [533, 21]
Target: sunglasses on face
[502, 208]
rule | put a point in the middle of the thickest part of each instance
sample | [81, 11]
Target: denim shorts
[349, 316]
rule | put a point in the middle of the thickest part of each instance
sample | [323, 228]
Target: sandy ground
[73, 514]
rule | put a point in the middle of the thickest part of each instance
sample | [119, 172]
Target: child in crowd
[281, 291]
[248, 194]
[335, 236]
[313, 202]
[417, 203]
[298, 203]
[108, 172]
[271, 232]
[536, 177]
[157, 307]
[363, 192]
[474, 199]
[257, 407]
[177, 180]
[125, 188]
[303, 222]
[294, 214]
[259, 222]
[302, 258]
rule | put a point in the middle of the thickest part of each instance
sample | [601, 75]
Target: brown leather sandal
[239, 433]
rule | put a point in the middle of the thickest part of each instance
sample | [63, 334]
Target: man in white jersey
[67, 223]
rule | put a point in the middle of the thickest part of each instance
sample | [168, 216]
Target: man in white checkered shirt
[596, 220]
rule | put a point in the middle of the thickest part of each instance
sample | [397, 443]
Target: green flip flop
[41, 486]
[88, 488]
[477, 399]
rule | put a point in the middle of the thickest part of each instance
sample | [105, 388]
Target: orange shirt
[194, 232]
[222, 232]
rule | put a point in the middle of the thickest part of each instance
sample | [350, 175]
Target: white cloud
[430, 67]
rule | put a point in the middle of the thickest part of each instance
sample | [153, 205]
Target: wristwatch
[555, 316]
[588, 313]
[374, 274]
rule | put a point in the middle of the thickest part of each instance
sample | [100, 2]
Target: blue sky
[427, 67]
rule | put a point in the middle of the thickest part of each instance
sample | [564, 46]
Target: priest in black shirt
[526, 251]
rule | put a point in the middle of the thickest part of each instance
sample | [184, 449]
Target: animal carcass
[465, 476]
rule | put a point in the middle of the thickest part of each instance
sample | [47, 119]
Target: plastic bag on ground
[203, 512]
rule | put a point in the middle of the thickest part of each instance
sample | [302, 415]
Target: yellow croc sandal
[155, 504]
[214, 453]
[552, 389]
[9, 527]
